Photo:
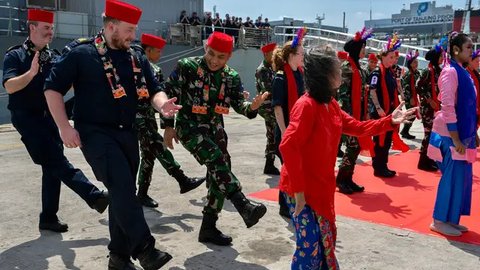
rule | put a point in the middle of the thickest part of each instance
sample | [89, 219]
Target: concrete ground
[175, 224]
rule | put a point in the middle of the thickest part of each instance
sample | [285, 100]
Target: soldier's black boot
[209, 232]
[251, 212]
[283, 211]
[426, 164]
[342, 182]
[354, 186]
[187, 183]
[406, 132]
[151, 258]
[270, 166]
[143, 197]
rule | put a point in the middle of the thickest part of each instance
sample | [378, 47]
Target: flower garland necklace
[118, 90]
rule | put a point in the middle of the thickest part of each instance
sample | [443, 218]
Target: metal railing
[316, 36]
[193, 35]
[7, 22]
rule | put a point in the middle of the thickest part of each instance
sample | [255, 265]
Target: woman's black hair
[457, 39]
[353, 48]
[433, 56]
[321, 65]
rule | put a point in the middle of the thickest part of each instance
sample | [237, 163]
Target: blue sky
[357, 11]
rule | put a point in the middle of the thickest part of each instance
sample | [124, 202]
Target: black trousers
[40, 136]
[379, 162]
[113, 155]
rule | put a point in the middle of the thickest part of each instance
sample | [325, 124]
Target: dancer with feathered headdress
[384, 96]
[353, 99]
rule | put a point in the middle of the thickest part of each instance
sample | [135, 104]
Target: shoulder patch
[374, 80]
[76, 43]
[138, 48]
[14, 47]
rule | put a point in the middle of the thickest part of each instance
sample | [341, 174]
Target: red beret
[122, 11]
[220, 42]
[372, 57]
[343, 55]
[38, 15]
[269, 47]
[153, 41]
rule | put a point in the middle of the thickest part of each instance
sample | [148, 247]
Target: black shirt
[16, 63]
[280, 91]
[375, 85]
[94, 101]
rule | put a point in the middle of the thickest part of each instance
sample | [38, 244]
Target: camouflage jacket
[407, 91]
[424, 86]
[145, 108]
[263, 81]
[195, 87]
[344, 95]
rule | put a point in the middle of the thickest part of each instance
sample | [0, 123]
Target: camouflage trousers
[152, 147]
[427, 114]
[349, 159]
[270, 123]
[208, 144]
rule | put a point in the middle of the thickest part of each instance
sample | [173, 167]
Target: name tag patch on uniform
[221, 109]
[199, 109]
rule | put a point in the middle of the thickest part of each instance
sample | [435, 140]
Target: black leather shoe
[54, 226]
[191, 184]
[118, 262]
[355, 187]
[101, 203]
[391, 171]
[270, 167]
[344, 188]
[384, 174]
[426, 164]
[284, 212]
[147, 201]
[153, 259]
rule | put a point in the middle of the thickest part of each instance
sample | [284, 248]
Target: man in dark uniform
[110, 78]
[264, 78]
[151, 142]
[24, 71]
[207, 87]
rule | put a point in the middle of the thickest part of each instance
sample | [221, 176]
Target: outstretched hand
[258, 100]
[400, 116]
[169, 108]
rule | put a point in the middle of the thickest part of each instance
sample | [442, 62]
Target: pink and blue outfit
[458, 113]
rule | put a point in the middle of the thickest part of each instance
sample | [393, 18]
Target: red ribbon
[397, 143]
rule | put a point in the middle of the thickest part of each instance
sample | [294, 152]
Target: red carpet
[405, 201]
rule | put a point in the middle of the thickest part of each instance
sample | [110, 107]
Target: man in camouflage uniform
[371, 64]
[429, 104]
[206, 87]
[151, 142]
[264, 78]
[409, 90]
[356, 51]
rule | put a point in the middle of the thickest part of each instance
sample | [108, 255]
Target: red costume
[309, 148]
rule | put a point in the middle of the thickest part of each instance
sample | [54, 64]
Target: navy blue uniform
[280, 98]
[106, 128]
[31, 118]
[379, 162]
